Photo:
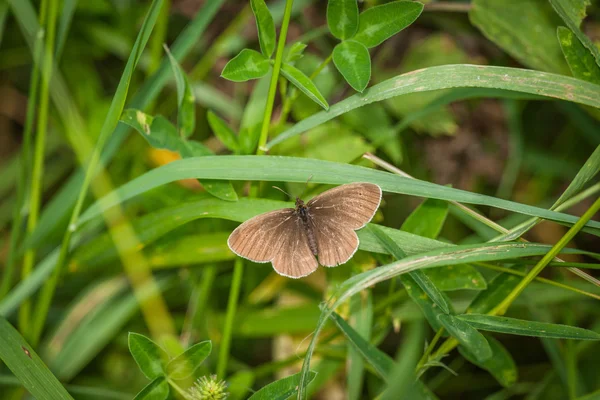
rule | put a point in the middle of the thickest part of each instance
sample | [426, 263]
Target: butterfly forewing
[276, 237]
[260, 238]
[336, 214]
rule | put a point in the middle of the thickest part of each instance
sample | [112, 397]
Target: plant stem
[264, 132]
[234, 294]
[24, 160]
[429, 349]
[49, 10]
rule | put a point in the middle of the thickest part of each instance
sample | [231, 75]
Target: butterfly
[293, 238]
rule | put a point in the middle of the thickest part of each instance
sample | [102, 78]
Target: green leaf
[186, 102]
[148, 355]
[303, 82]
[158, 389]
[572, 16]
[27, 366]
[342, 18]
[248, 64]
[379, 23]
[451, 76]
[580, 60]
[282, 388]
[381, 362]
[501, 364]
[467, 336]
[353, 61]
[428, 218]
[361, 313]
[456, 277]
[525, 29]
[160, 133]
[497, 290]
[515, 326]
[265, 26]
[294, 52]
[187, 363]
[414, 277]
[290, 169]
[221, 130]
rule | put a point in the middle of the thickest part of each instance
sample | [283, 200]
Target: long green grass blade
[292, 169]
[20, 358]
[452, 76]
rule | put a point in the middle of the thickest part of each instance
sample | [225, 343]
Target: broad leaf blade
[580, 60]
[27, 366]
[221, 130]
[523, 28]
[248, 64]
[282, 389]
[303, 82]
[185, 364]
[501, 364]
[148, 355]
[427, 219]
[467, 336]
[571, 15]
[186, 102]
[379, 23]
[353, 61]
[265, 26]
[527, 328]
[342, 18]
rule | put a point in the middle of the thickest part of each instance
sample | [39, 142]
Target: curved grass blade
[467, 336]
[454, 76]
[381, 362]
[290, 169]
[20, 358]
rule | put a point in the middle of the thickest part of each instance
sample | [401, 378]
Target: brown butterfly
[324, 227]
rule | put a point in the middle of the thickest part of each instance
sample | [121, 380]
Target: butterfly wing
[336, 214]
[277, 237]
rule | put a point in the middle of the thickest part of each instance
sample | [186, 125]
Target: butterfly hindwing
[297, 260]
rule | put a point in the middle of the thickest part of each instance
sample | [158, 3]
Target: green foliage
[249, 64]
[133, 225]
[265, 26]
[352, 59]
[380, 23]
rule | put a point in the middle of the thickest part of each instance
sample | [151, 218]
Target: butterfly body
[303, 212]
[324, 227]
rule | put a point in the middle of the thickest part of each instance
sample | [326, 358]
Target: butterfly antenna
[283, 191]
[306, 185]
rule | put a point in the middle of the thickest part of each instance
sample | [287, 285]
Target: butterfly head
[299, 203]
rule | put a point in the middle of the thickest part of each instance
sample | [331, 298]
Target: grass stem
[264, 132]
[234, 294]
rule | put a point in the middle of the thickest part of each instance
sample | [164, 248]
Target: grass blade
[20, 358]
[452, 76]
[292, 169]
[515, 326]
